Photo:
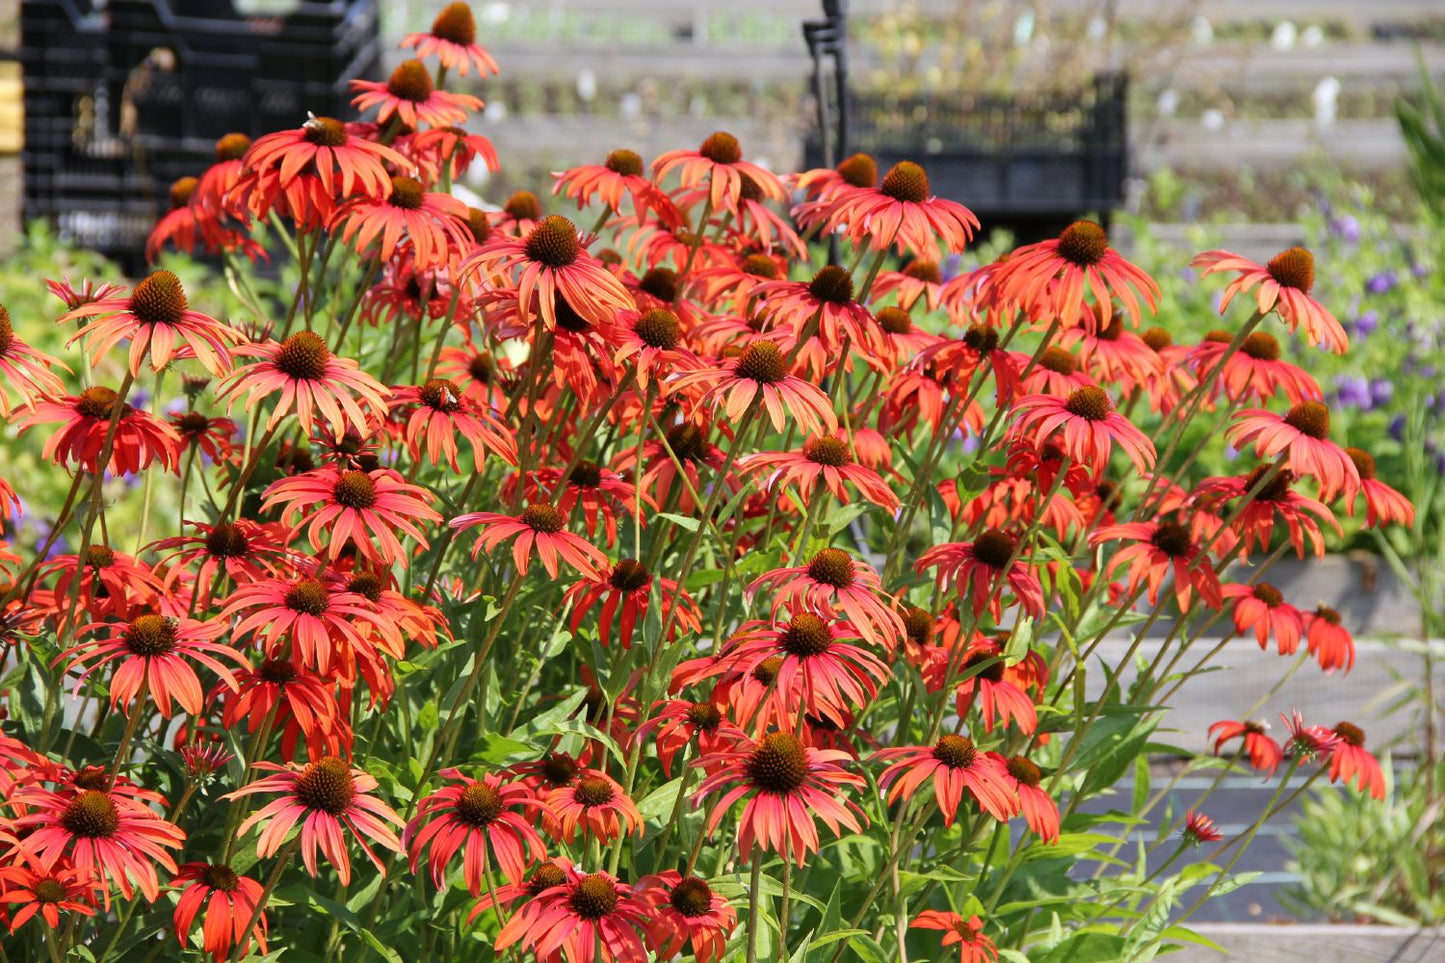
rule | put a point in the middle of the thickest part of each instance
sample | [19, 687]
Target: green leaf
[1084, 948]
[681, 521]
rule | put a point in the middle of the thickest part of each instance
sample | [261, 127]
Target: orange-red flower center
[1330, 615]
[559, 769]
[159, 299]
[1310, 418]
[860, 170]
[222, 877]
[326, 785]
[661, 283]
[369, 585]
[630, 575]
[97, 402]
[806, 635]
[827, 450]
[704, 715]
[593, 791]
[440, 394]
[763, 362]
[276, 671]
[833, 566]
[547, 876]
[981, 338]
[232, 147]
[1083, 243]
[326, 132]
[955, 752]
[687, 441]
[410, 81]
[554, 242]
[1089, 403]
[779, 764]
[894, 320]
[308, 597]
[907, 182]
[355, 489]
[760, 266]
[1172, 539]
[7, 331]
[406, 193]
[721, 148]
[658, 328]
[90, 815]
[994, 548]
[1156, 338]
[691, 897]
[918, 623]
[151, 635]
[1364, 462]
[1261, 346]
[1058, 360]
[479, 224]
[1024, 771]
[1351, 734]
[455, 25]
[542, 518]
[481, 368]
[1293, 268]
[1276, 489]
[479, 804]
[992, 670]
[182, 190]
[303, 356]
[99, 556]
[594, 897]
[625, 162]
[49, 890]
[1268, 594]
[523, 206]
[924, 270]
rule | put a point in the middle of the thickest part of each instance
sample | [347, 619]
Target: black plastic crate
[124, 97]
[1029, 162]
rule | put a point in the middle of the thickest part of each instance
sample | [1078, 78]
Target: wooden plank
[1317, 943]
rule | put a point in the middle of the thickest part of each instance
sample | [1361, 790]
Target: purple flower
[1397, 427]
[1381, 391]
[951, 266]
[1382, 282]
[1345, 226]
[1189, 275]
[1353, 391]
[1421, 271]
[1367, 323]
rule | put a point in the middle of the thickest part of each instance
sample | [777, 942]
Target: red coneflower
[542, 526]
[1254, 372]
[321, 621]
[30, 888]
[623, 173]
[828, 458]
[718, 165]
[441, 412]
[1113, 354]
[1040, 811]
[357, 508]
[216, 181]
[680, 722]
[1051, 279]
[1264, 753]
[111, 584]
[1199, 828]
[786, 785]
[1157, 550]
[956, 766]
[826, 300]
[900, 212]
[152, 653]
[325, 797]
[576, 916]
[831, 582]
[453, 41]
[1383, 504]
[213, 436]
[450, 151]
[1302, 515]
[482, 816]
[653, 341]
[1056, 373]
[919, 280]
[1261, 608]
[243, 550]
[901, 340]
[1001, 688]
[409, 95]
[434, 224]
[552, 264]
[294, 700]
[306, 169]
[24, 369]
[603, 494]
[1284, 287]
[229, 900]
[980, 569]
[973, 946]
[1349, 761]
[106, 835]
[760, 374]
[1308, 742]
[1303, 435]
[84, 419]
[157, 320]
[627, 589]
[686, 915]
[827, 674]
[1328, 640]
[311, 380]
[1089, 425]
[595, 804]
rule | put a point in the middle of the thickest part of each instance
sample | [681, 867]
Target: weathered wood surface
[1320, 943]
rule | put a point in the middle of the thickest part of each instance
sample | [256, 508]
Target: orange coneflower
[140, 437]
[1300, 513]
[554, 265]
[24, 369]
[824, 461]
[441, 412]
[451, 151]
[1383, 504]
[1264, 753]
[973, 946]
[323, 622]
[680, 722]
[1303, 435]
[827, 302]
[1261, 608]
[212, 436]
[482, 816]
[718, 164]
[434, 224]
[901, 213]
[28, 887]
[409, 96]
[1328, 640]
[453, 39]
[324, 797]
[229, 900]
[1051, 279]
[1349, 761]
[760, 375]
[572, 917]
[1254, 372]
[1089, 427]
[216, 182]
[1199, 828]
[158, 321]
[311, 380]
[786, 784]
[1284, 287]
[307, 169]
[955, 765]
[1040, 810]
[358, 508]
[296, 701]
[623, 173]
[541, 526]
[981, 568]
[627, 588]
[686, 915]
[831, 582]
[593, 803]
[152, 653]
